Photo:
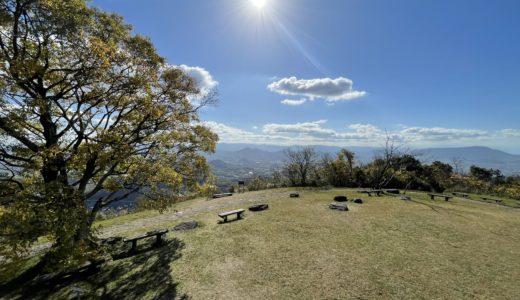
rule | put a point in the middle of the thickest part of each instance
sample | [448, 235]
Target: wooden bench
[491, 199]
[238, 212]
[463, 195]
[158, 235]
[370, 192]
[222, 195]
[446, 197]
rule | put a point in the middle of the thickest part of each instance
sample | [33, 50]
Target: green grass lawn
[299, 249]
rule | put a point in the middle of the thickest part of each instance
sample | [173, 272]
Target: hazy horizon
[245, 145]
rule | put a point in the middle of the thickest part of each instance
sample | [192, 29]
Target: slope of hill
[385, 248]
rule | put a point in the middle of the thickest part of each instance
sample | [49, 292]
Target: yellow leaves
[104, 51]
[112, 185]
[129, 114]
[167, 175]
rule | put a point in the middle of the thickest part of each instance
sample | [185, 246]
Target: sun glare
[259, 3]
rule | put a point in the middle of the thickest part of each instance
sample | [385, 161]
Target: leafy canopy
[88, 110]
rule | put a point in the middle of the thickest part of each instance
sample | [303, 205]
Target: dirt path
[167, 217]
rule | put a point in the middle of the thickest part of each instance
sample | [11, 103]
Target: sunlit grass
[299, 249]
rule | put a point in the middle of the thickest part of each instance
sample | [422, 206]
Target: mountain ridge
[266, 157]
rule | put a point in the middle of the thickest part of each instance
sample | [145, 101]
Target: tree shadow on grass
[221, 222]
[432, 207]
[145, 274]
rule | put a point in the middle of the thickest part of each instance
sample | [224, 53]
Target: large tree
[88, 111]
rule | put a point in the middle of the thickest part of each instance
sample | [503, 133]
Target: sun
[259, 3]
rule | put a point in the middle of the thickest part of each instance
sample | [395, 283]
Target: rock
[258, 207]
[405, 198]
[340, 198]
[294, 195]
[342, 207]
[357, 200]
[186, 226]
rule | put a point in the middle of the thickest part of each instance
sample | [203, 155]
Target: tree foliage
[300, 165]
[390, 168]
[88, 110]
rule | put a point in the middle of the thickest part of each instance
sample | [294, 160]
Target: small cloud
[365, 128]
[441, 134]
[332, 90]
[202, 77]
[305, 128]
[292, 102]
[510, 132]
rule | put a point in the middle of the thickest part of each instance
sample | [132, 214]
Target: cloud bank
[317, 133]
[331, 90]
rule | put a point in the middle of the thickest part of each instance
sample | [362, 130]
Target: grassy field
[299, 249]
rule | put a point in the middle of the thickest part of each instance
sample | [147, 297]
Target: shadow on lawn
[146, 273]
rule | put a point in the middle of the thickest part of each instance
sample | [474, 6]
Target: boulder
[357, 200]
[294, 195]
[186, 226]
[259, 207]
[342, 207]
[340, 198]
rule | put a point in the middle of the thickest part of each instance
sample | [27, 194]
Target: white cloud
[307, 128]
[229, 134]
[205, 81]
[365, 128]
[510, 132]
[292, 102]
[317, 133]
[441, 134]
[332, 90]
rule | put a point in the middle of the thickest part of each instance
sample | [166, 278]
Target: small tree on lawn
[87, 111]
[299, 166]
[385, 164]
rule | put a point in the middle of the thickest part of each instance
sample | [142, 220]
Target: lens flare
[259, 3]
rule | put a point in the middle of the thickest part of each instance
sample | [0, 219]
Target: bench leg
[239, 216]
[158, 242]
[432, 197]
[134, 246]
[225, 219]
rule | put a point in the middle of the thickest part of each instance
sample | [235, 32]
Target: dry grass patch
[300, 249]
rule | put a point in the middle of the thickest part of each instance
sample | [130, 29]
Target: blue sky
[346, 72]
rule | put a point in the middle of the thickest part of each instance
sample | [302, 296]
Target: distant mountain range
[233, 162]
[485, 157]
